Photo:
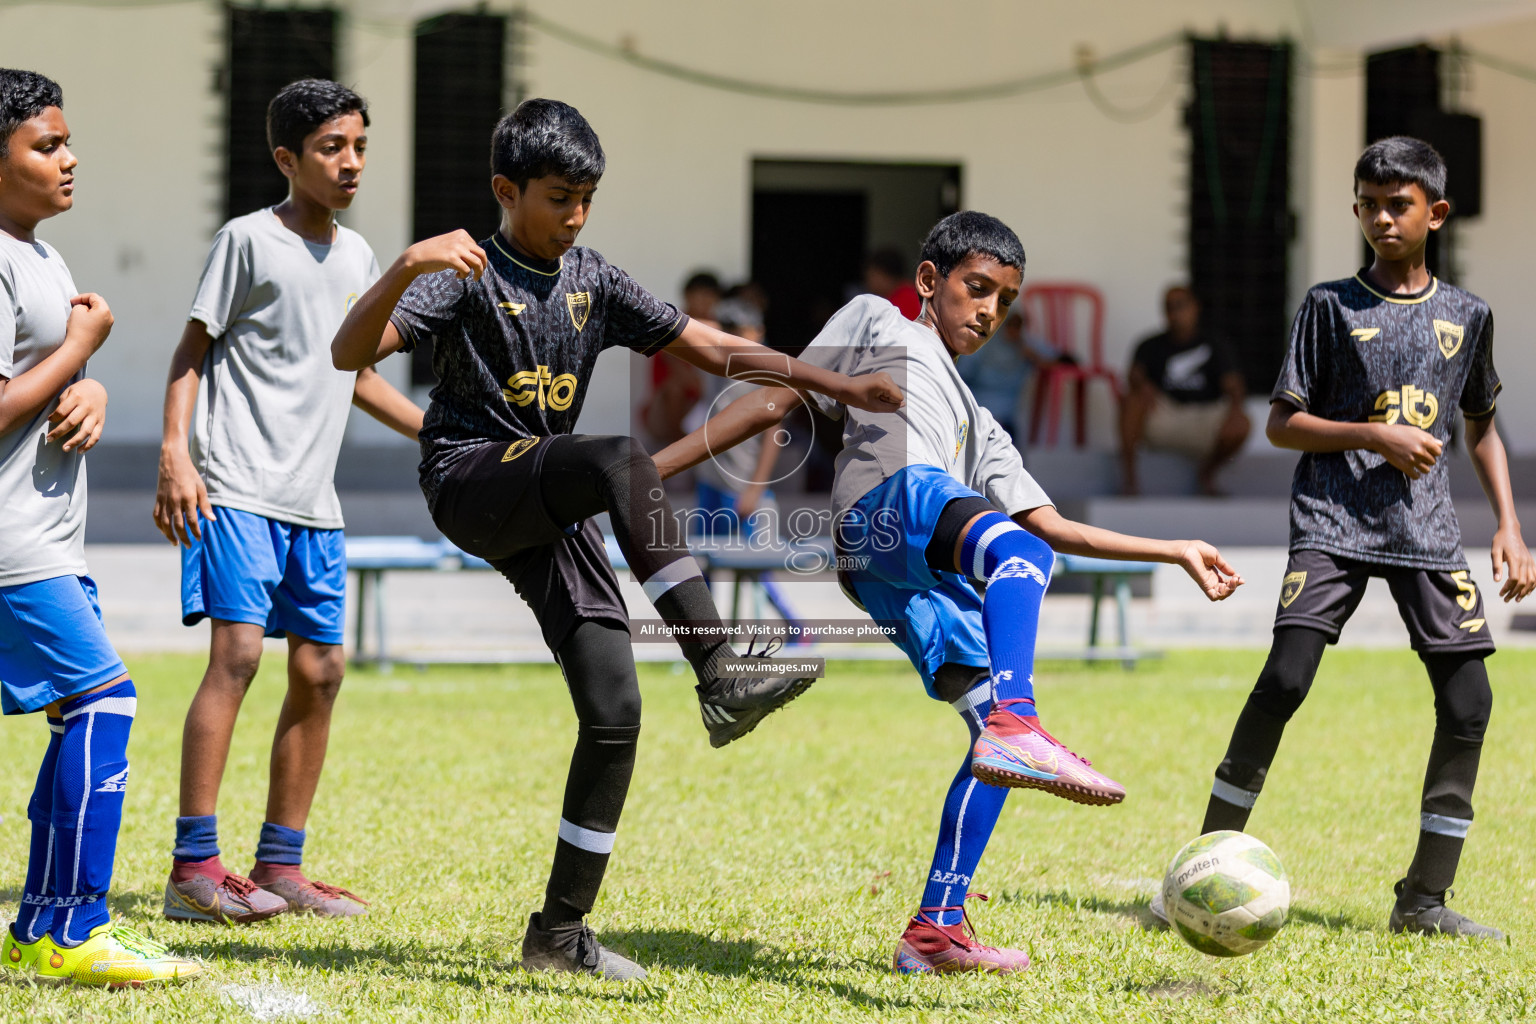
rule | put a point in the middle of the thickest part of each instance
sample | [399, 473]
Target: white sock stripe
[965, 802]
[57, 727]
[974, 697]
[979, 561]
[1441, 825]
[586, 838]
[125, 706]
[85, 801]
[669, 576]
[1233, 795]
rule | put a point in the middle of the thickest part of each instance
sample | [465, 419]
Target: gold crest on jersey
[1290, 589]
[1449, 336]
[580, 305]
[517, 448]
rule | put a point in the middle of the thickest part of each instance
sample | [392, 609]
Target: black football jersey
[514, 351]
[1358, 355]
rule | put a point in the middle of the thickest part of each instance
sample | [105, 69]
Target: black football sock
[599, 669]
[599, 778]
[1282, 686]
[1463, 700]
[616, 474]
[1240, 776]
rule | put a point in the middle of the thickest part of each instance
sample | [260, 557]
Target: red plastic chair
[1056, 310]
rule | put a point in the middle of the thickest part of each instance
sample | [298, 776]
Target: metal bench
[372, 557]
[1107, 571]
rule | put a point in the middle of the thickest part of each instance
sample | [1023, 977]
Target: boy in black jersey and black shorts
[1377, 367]
[516, 325]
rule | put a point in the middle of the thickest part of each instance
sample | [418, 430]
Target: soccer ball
[1226, 894]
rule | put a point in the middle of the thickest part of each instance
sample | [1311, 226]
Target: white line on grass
[270, 1001]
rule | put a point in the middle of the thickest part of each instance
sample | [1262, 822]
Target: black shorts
[491, 505]
[1443, 610]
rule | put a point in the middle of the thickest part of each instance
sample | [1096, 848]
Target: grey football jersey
[941, 425]
[514, 351]
[42, 487]
[1358, 355]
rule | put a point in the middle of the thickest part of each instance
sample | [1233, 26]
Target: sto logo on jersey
[1412, 405]
[528, 386]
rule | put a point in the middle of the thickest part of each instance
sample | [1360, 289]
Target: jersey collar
[525, 261]
[1409, 300]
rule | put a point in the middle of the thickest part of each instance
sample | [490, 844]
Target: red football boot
[929, 947]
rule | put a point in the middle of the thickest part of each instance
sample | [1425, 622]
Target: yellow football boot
[18, 956]
[114, 956]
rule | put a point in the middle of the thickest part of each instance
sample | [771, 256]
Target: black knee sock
[594, 798]
[1282, 686]
[1463, 700]
[599, 669]
[616, 474]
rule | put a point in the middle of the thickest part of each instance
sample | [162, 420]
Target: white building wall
[1093, 199]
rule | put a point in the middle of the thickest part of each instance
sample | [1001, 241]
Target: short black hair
[703, 279]
[301, 107]
[24, 95]
[543, 137]
[887, 259]
[971, 233]
[1403, 160]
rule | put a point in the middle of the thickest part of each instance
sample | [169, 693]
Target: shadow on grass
[1139, 911]
[749, 959]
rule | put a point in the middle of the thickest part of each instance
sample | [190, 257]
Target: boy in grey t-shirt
[944, 535]
[250, 492]
[54, 655]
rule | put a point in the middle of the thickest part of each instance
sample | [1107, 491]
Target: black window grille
[461, 64]
[1240, 222]
[268, 48]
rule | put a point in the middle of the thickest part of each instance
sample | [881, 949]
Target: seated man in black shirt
[1185, 395]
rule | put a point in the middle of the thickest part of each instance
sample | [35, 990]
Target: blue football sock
[971, 809]
[197, 838]
[36, 913]
[88, 788]
[1016, 566]
[280, 845]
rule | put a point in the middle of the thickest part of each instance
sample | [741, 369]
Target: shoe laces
[335, 892]
[771, 646]
[136, 941]
[240, 886]
[967, 926]
[1040, 728]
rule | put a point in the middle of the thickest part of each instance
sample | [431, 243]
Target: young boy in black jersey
[516, 325]
[1378, 364]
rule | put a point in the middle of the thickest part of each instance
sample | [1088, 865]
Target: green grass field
[769, 881]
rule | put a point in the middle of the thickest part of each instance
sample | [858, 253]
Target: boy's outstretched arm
[1203, 562]
[384, 402]
[1509, 548]
[1408, 448]
[726, 355]
[21, 396]
[749, 415]
[366, 335]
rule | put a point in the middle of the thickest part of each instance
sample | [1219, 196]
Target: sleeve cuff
[666, 337]
[1290, 397]
[407, 335]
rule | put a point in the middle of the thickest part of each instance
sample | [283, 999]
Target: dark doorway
[814, 222]
[806, 248]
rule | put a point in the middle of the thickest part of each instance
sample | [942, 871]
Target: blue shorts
[52, 644]
[885, 536]
[282, 577]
